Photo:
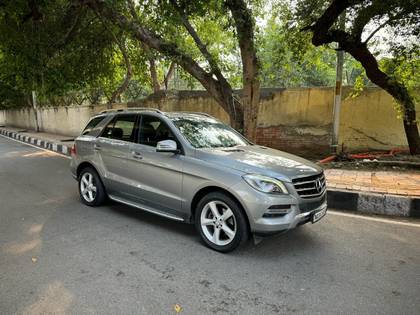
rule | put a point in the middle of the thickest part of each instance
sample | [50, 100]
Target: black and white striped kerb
[384, 204]
[56, 147]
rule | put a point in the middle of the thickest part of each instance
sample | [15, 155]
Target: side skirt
[148, 209]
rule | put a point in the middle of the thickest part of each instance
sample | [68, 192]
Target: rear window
[92, 124]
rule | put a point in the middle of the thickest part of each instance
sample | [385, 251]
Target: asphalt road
[59, 256]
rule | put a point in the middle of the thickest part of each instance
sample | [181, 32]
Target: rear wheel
[91, 189]
[221, 222]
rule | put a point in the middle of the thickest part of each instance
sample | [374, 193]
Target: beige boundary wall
[294, 120]
[2, 117]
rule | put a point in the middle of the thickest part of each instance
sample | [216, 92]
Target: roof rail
[110, 111]
[131, 109]
[197, 113]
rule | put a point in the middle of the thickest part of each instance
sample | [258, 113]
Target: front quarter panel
[199, 174]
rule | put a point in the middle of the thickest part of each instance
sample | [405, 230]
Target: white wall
[60, 120]
[2, 117]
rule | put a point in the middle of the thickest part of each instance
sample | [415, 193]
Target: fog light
[276, 211]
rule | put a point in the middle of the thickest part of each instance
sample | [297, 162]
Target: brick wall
[287, 138]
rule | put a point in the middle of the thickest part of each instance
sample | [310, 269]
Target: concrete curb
[401, 206]
[42, 143]
[337, 199]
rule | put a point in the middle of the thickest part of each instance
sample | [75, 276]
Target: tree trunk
[236, 116]
[402, 96]
[169, 75]
[395, 89]
[153, 75]
[250, 103]
[250, 66]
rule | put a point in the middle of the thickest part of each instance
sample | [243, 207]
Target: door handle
[136, 155]
[96, 147]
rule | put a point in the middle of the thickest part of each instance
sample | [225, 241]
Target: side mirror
[167, 146]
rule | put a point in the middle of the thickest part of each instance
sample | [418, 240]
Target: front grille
[310, 186]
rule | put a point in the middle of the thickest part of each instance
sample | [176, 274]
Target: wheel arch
[84, 165]
[209, 189]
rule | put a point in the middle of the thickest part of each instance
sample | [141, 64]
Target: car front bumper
[257, 206]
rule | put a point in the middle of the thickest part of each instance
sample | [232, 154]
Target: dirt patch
[399, 162]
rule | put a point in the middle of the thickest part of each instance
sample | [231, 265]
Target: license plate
[319, 214]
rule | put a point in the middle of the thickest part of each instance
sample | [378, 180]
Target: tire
[91, 189]
[215, 223]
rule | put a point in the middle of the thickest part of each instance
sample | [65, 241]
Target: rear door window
[92, 124]
[122, 127]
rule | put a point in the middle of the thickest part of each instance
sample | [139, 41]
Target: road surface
[60, 256]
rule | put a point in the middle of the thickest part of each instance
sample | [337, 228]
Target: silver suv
[191, 167]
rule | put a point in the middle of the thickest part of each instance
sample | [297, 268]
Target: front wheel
[91, 189]
[221, 223]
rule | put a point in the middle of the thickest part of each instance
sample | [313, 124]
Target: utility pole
[338, 89]
[35, 111]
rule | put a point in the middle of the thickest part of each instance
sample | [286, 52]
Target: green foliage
[66, 56]
[404, 69]
[69, 56]
[288, 59]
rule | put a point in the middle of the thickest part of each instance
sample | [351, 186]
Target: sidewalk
[374, 192]
[393, 183]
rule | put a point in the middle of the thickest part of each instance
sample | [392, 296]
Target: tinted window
[208, 133]
[92, 124]
[153, 130]
[122, 127]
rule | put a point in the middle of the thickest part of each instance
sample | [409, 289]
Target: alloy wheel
[87, 187]
[218, 223]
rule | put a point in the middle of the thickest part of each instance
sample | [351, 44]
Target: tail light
[73, 149]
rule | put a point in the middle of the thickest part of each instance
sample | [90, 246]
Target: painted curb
[45, 144]
[384, 204]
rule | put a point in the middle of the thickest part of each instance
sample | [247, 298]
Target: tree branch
[221, 91]
[394, 18]
[325, 22]
[129, 71]
[169, 74]
[201, 46]
[375, 31]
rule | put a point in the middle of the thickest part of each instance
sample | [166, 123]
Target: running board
[131, 204]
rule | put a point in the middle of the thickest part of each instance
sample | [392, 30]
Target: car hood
[255, 159]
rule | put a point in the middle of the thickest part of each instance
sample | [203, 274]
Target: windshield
[208, 133]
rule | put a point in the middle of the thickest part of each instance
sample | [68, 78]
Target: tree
[64, 52]
[134, 20]
[288, 59]
[401, 16]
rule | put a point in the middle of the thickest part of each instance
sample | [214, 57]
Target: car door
[156, 176]
[112, 147]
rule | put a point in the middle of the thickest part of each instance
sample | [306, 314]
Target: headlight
[265, 184]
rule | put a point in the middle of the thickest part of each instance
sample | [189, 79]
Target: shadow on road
[294, 242]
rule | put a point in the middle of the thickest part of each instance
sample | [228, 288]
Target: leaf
[177, 308]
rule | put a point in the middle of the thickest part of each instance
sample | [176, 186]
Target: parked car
[193, 168]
